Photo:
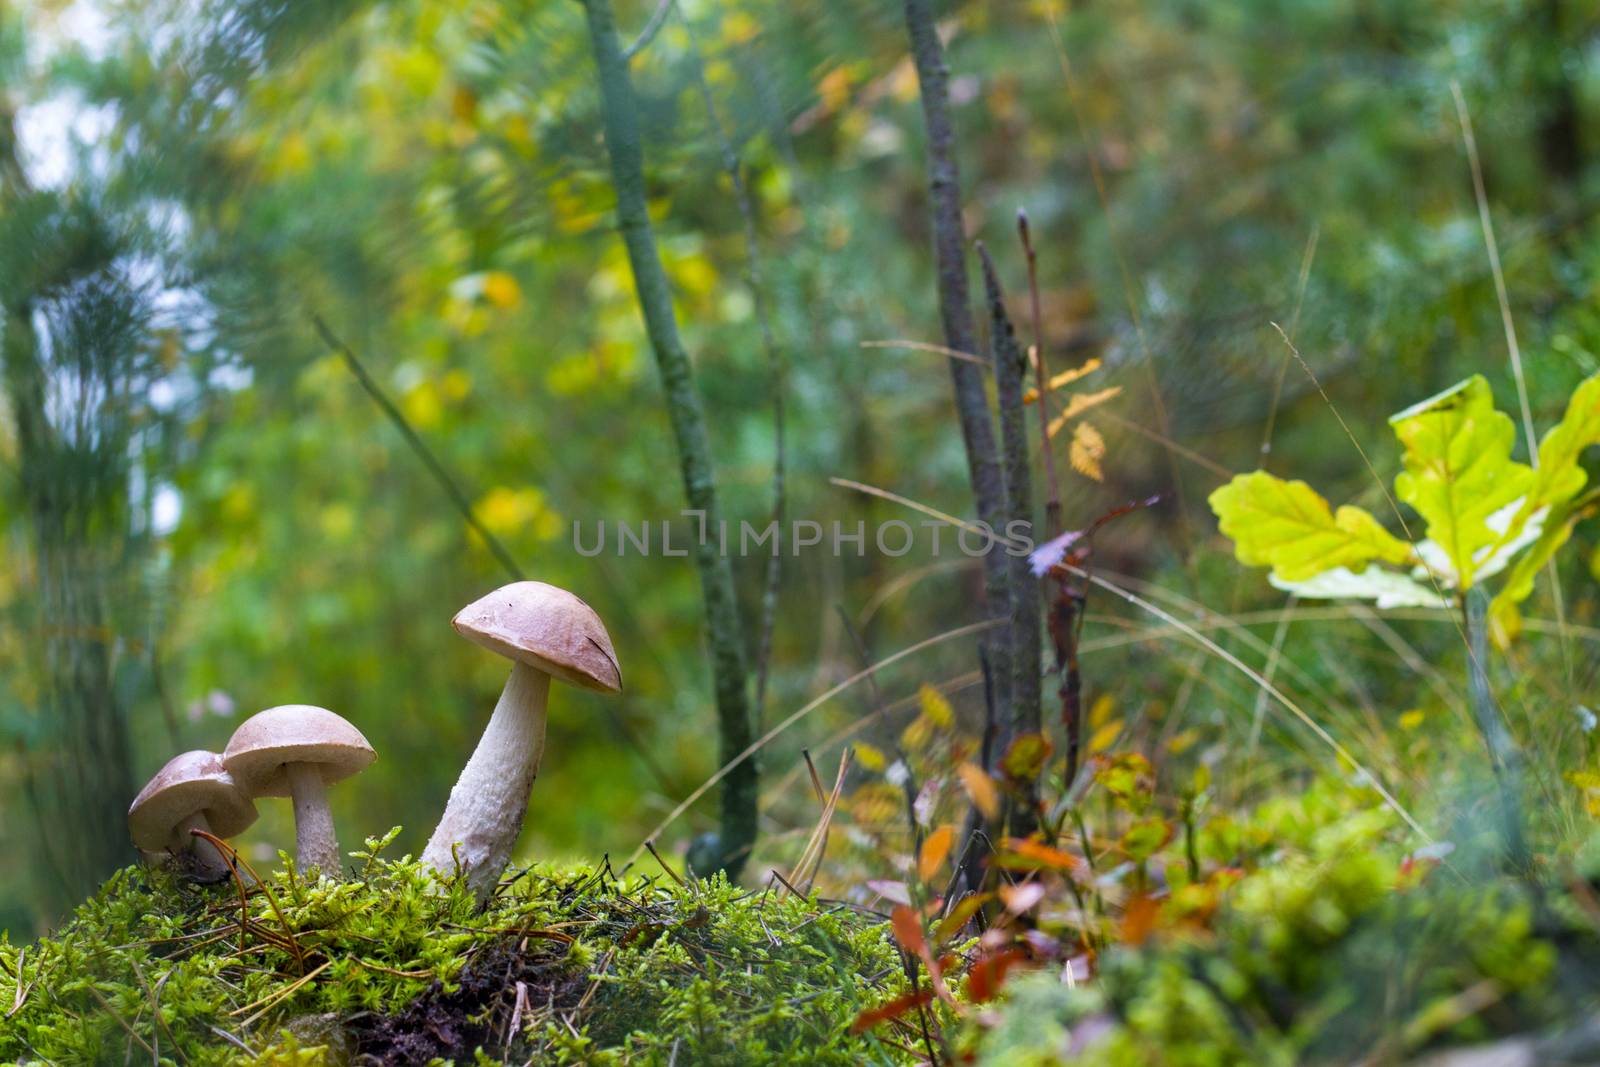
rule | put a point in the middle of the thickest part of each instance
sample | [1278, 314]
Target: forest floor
[1330, 945]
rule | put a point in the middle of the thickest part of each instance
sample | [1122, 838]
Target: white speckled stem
[210, 860]
[483, 819]
[315, 843]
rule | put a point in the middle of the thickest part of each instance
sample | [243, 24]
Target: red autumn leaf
[892, 1010]
[908, 931]
[989, 974]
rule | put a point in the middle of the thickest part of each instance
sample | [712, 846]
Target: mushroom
[546, 632]
[192, 792]
[298, 750]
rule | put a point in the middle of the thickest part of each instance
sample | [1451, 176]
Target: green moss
[611, 971]
[1332, 952]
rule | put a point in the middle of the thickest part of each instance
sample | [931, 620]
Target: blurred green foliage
[426, 177]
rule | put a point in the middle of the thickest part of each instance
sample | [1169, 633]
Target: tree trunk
[626, 153]
[1010, 369]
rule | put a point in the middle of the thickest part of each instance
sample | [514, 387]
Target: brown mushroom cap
[191, 783]
[293, 733]
[546, 628]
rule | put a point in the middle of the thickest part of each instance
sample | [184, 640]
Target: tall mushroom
[546, 633]
[192, 792]
[298, 750]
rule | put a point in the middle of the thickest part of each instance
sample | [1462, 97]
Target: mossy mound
[393, 967]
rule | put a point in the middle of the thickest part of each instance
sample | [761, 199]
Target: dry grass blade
[767, 738]
[266, 1003]
[924, 346]
[817, 844]
[105, 1005]
[22, 990]
[1486, 223]
[234, 860]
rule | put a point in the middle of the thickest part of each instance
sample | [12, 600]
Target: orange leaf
[934, 850]
[1024, 854]
[989, 974]
[1139, 919]
[908, 930]
[892, 1010]
[980, 790]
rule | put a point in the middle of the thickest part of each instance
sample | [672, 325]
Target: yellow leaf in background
[1100, 711]
[239, 502]
[934, 850]
[694, 275]
[918, 736]
[464, 104]
[422, 406]
[980, 789]
[338, 522]
[1412, 719]
[1066, 377]
[936, 707]
[1026, 756]
[1182, 741]
[510, 511]
[456, 384]
[903, 81]
[1088, 448]
[834, 89]
[1104, 737]
[1079, 403]
[501, 289]
[1289, 527]
[293, 155]
[1082, 402]
[870, 757]
[738, 27]
[876, 804]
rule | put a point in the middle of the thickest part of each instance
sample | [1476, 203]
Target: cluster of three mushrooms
[295, 750]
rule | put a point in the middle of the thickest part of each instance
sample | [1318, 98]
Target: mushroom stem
[315, 843]
[483, 819]
[207, 858]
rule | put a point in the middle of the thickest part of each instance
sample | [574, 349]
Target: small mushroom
[546, 632]
[297, 750]
[192, 792]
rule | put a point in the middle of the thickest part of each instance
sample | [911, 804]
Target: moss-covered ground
[1331, 943]
[392, 967]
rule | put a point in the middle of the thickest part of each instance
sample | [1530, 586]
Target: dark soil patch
[479, 1012]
